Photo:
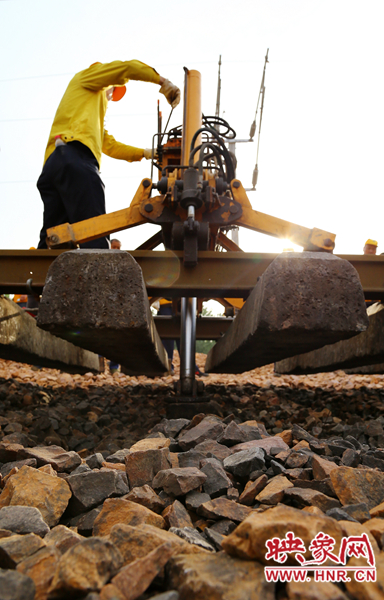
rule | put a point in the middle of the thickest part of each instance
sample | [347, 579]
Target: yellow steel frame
[90, 229]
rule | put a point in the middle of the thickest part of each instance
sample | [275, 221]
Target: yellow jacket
[81, 112]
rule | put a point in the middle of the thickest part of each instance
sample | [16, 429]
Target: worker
[21, 300]
[70, 185]
[370, 247]
[115, 244]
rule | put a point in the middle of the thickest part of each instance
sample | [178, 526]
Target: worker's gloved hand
[171, 92]
[149, 153]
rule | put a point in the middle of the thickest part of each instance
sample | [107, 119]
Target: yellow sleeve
[102, 75]
[116, 149]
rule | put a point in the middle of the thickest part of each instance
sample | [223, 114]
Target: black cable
[215, 122]
[202, 146]
[207, 158]
[217, 152]
[203, 158]
[227, 157]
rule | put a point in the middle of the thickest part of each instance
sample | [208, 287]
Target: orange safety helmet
[118, 93]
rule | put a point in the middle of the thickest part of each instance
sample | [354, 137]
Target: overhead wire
[209, 62]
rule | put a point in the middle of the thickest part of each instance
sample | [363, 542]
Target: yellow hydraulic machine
[198, 199]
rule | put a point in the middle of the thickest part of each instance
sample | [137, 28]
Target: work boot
[199, 373]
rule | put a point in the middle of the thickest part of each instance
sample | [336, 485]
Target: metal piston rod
[191, 123]
[187, 346]
[188, 338]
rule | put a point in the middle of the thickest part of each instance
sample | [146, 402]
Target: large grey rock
[179, 481]
[16, 586]
[252, 432]
[91, 489]
[170, 427]
[95, 461]
[103, 307]
[23, 519]
[217, 481]
[208, 429]
[195, 499]
[86, 521]
[242, 463]
[302, 301]
[83, 468]
[223, 526]
[366, 348]
[5, 469]
[22, 341]
[232, 435]
[210, 448]
[191, 458]
[118, 457]
[266, 444]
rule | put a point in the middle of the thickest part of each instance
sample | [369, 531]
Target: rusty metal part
[217, 275]
[157, 211]
[152, 242]
[226, 243]
[171, 154]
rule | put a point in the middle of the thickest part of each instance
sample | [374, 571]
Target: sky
[321, 148]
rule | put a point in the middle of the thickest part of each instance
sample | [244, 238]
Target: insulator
[255, 176]
[253, 130]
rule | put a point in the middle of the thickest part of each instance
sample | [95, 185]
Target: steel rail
[217, 274]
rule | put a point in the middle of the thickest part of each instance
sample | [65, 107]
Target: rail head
[217, 274]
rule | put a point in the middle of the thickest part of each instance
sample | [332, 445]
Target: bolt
[148, 208]
[146, 183]
[233, 209]
[54, 238]
[236, 184]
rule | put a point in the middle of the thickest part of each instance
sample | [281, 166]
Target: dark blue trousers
[71, 190]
